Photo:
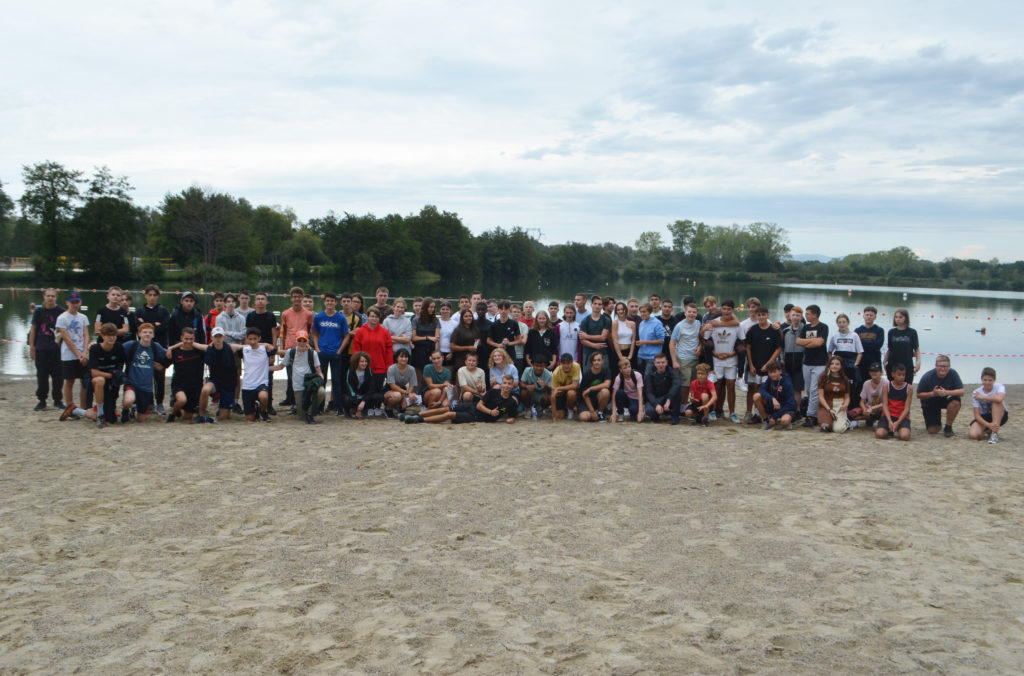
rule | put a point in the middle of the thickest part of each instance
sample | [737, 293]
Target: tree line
[66, 221]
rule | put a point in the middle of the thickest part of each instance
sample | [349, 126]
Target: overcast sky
[854, 126]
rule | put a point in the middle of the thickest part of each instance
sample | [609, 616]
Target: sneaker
[126, 413]
[826, 428]
[413, 419]
[747, 418]
[310, 420]
[160, 410]
[101, 423]
[787, 427]
[67, 412]
[741, 384]
[265, 416]
[389, 414]
[570, 415]
[601, 418]
[704, 423]
[994, 439]
[854, 424]
[808, 423]
[712, 417]
[533, 413]
[41, 406]
[402, 416]
[285, 402]
[271, 410]
[947, 431]
[293, 410]
[59, 405]
[170, 417]
[237, 409]
[734, 418]
[766, 425]
[675, 421]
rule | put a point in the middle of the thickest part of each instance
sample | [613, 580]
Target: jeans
[811, 375]
[333, 362]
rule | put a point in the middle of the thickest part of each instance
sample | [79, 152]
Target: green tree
[446, 245]
[211, 229]
[6, 221]
[649, 243]
[51, 193]
[272, 227]
[114, 233]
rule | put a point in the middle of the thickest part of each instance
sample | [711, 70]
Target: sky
[853, 126]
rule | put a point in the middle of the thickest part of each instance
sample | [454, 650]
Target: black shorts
[464, 413]
[884, 424]
[191, 399]
[143, 400]
[251, 400]
[560, 402]
[987, 417]
[74, 370]
[931, 409]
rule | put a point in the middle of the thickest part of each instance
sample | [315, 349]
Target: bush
[150, 269]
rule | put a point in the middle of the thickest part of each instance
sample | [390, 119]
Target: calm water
[946, 321]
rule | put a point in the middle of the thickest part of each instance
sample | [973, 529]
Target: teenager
[186, 315]
[711, 313]
[504, 332]
[294, 319]
[210, 320]
[329, 338]
[528, 317]
[362, 394]
[437, 383]
[112, 313]
[650, 337]
[257, 363]
[232, 323]
[382, 306]
[401, 385]
[426, 335]
[464, 339]
[763, 346]
[518, 352]
[471, 381]
[373, 339]
[244, 298]
[131, 318]
[542, 342]
[684, 347]
[535, 385]
[187, 383]
[940, 388]
[399, 326]
[628, 392]
[159, 317]
[569, 333]
[73, 329]
[144, 358]
[263, 321]
[989, 403]
[775, 398]
[483, 328]
[496, 405]
[304, 369]
[595, 389]
[904, 347]
[448, 325]
[846, 345]
[742, 380]
[833, 397]
[814, 339]
[870, 413]
[792, 353]
[499, 364]
[872, 340]
[595, 330]
[106, 370]
[623, 335]
[727, 341]
[896, 400]
[668, 319]
[662, 390]
[701, 396]
[45, 352]
[565, 387]
[221, 359]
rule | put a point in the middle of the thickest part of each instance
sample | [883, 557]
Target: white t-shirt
[255, 367]
[447, 327]
[473, 380]
[726, 339]
[75, 325]
[569, 338]
[687, 337]
[845, 342]
[300, 366]
[986, 406]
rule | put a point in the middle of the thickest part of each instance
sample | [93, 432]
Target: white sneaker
[994, 439]
[570, 415]
[741, 384]
[853, 424]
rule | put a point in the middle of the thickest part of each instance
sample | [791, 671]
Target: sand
[378, 547]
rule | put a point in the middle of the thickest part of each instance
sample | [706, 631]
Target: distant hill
[803, 258]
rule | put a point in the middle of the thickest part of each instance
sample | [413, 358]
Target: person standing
[45, 352]
[263, 321]
[73, 329]
[159, 317]
[329, 338]
[872, 340]
[294, 319]
[814, 339]
[904, 347]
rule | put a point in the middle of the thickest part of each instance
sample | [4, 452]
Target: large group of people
[489, 360]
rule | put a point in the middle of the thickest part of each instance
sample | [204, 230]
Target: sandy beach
[377, 547]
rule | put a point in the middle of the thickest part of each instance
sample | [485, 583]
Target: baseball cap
[302, 334]
[217, 331]
[187, 294]
[74, 297]
[875, 366]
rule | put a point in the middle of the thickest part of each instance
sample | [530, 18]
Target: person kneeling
[702, 397]
[776, 399]
[628, 391]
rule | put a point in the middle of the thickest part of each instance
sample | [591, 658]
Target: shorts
[987, 417]
[883, 424]
[74, 370]
[754, 378]
[931, 409]
[143, 400]
[227, 396]
[687, 370]
[191, 399]
[464, 413]
[251, 400]
[723, 371]
[560, 402]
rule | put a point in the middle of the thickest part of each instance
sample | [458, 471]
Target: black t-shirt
[762, 342]
[507, 407]
[669, 324]
[902, 345]
[507, 330]
[105, 361]
[188, 369]
[158, 316]
[222, 366]
[45, 320]
[588, 378]
[265, 322]
[116, 317]
[816, 356]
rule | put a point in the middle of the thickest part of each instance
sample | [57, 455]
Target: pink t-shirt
[627, 386]
[292, 321]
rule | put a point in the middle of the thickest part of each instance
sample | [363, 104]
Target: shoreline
[534, 547]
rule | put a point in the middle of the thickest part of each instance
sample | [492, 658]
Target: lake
[947, 321]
